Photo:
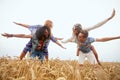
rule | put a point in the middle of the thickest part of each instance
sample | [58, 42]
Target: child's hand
[14, 22]
[17, 23]
[77, 54]
[112, 15]
[63, 42]
[64, 47]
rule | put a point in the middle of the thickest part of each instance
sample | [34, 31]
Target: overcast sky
[64, 14]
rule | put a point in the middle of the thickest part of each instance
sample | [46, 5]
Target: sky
[64, 14]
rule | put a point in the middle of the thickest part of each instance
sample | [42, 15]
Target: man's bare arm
[107, 39]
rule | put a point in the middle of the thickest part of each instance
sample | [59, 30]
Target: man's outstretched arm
[107, 39]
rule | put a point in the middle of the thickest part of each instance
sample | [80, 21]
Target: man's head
[48, 23]
[77, 28]
[82, 36]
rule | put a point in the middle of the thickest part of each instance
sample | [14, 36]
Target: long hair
[40, 33]
[78, 27]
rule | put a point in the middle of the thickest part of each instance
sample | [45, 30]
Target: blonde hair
[48, 23]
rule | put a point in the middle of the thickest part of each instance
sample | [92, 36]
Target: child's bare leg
[78, 52]
[95, 53]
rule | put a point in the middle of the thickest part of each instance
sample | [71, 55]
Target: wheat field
[56, 69]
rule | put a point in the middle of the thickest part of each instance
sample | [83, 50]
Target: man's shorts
[90, 57]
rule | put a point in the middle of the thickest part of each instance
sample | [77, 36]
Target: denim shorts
[28, 46]
[45, 51]
[39, 54]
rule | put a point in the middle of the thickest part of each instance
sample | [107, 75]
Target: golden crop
[56, 69]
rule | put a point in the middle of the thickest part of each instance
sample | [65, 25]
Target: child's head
[48, 23]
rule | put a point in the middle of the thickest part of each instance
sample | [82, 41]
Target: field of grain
[56, 69]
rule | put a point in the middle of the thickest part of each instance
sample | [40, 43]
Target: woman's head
[77, 28]
[43, 33]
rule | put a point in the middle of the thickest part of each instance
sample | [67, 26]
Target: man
[84, 43]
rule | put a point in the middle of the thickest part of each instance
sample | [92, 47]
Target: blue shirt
[85, 47]
[33, 28]
[46, 43]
